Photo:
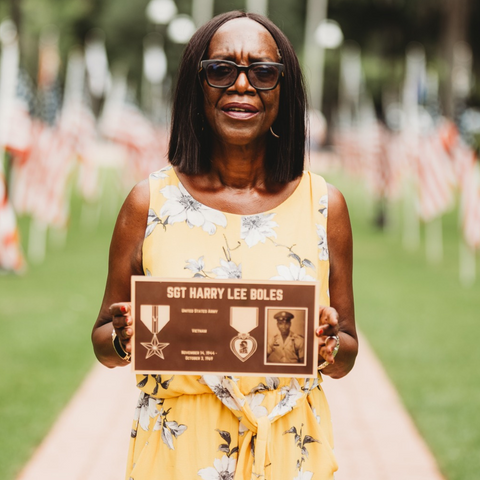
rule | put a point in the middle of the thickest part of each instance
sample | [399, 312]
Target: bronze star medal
[155, 347]
[155, 317]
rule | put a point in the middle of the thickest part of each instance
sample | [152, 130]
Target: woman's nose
[242, 83]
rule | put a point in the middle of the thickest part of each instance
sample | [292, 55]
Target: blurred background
[85, 89]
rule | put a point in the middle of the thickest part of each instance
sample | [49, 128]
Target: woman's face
[241, 115]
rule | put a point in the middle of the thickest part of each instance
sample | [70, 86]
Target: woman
[235, 203]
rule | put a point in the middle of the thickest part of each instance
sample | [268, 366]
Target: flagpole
[314, 54]
[414, 81]
[434, 240]
[411, 222]
[37, 241]
[468, 267]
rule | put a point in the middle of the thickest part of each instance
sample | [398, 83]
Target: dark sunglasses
[223, 73]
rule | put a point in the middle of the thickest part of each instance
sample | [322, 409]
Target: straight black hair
[190, 136]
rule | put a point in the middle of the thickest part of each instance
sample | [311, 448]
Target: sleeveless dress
[233, 428]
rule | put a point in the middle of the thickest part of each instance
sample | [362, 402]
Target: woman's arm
[339, 318]
[125, 260]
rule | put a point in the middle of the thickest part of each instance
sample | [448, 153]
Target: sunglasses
[223, 73]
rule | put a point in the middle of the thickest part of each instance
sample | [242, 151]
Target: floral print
[221, 387]
[292, 273]
[322, 242]
[224, 468]
[160, 174]
[257, 228]
[197, 267]
[146, 410]
[228, 270]
[301, 442]
[323, 205]
[293, 392]
[152, 222]
[170, 430]
[182, 207]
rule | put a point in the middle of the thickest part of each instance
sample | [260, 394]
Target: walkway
[375, 438]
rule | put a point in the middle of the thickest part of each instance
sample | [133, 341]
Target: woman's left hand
[328, 328]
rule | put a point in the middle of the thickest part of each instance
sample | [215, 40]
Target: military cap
[283, 316]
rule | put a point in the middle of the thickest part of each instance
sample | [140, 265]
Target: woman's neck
[238, 166]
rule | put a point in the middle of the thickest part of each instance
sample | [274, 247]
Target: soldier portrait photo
[286, 336]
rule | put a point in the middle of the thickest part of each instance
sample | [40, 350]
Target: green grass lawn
[424, 327]
[46, 317]
[420, 321]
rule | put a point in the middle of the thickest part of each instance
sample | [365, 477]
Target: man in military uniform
[286, 346]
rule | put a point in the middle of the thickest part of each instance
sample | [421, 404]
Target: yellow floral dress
[233, 428]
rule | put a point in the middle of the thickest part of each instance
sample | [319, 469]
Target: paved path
[374, 436]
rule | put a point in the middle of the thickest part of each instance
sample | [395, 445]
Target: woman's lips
[241, 111]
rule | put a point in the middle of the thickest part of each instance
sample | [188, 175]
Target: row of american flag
[436, 168]
[51, 142]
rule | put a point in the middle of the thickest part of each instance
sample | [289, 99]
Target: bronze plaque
[224, 327]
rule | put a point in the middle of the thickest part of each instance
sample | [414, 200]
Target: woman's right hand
[122, 323]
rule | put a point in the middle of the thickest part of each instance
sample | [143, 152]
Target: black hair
[190, 138]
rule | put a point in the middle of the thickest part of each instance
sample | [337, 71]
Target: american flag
[436, 178]
[470, 207]
[468, 171]
[146, 145]
[11, 255]
[78, 127]
[17, 138]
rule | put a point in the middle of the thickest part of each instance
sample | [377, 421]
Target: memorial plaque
[224, 327]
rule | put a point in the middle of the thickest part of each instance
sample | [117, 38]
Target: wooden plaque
[224, 327]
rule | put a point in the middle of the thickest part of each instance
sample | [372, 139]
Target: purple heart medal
[243, 320]
[155, 317]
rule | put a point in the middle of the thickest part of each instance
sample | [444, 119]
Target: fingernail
[123, 308]
[320, 331]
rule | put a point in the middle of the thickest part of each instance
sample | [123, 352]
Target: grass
[46, 317]
[424, 327]
[420, 321]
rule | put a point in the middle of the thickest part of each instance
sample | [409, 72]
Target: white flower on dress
[292, 273]
[324, 206]
[196, 266]
[152, 222]
[146, 409]
[223, 469]
[317, 417]
[221, 388]
[322, 242]
[161, 173]
[254, 400]
[228, 270]
[169, 429]
[182, 207]
[293, 392]
[256, 228]
[304, 476]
